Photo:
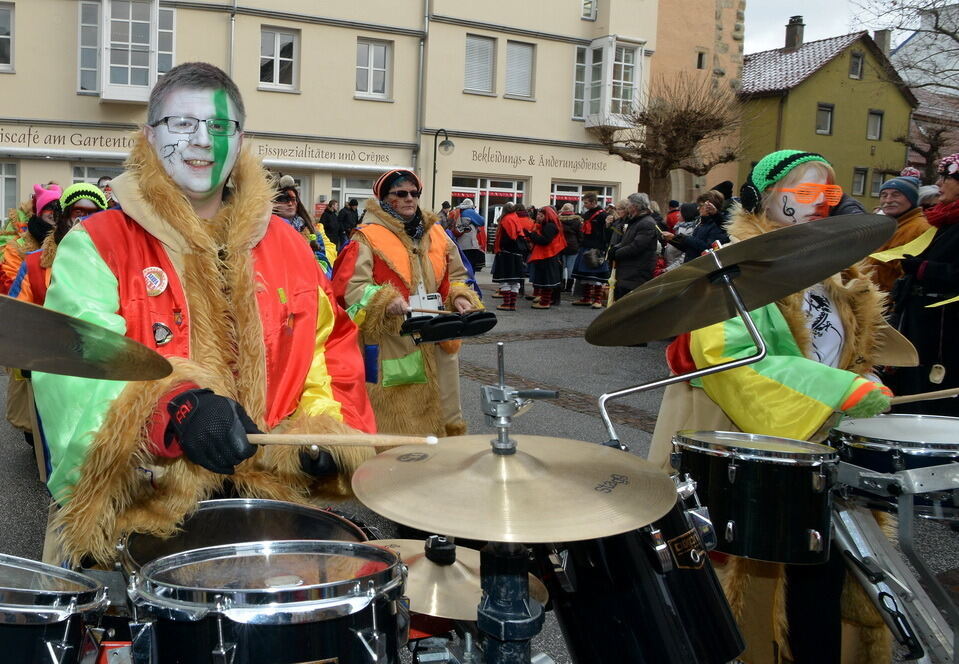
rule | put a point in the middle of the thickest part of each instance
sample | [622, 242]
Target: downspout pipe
[418, 121]
[232, 37]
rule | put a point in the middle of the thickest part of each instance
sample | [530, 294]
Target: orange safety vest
[391, 259]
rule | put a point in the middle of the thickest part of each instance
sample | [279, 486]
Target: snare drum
[769, 498]
[46, 609]
[288, 602]
[890, 443]
[646, 597]
[236, 520]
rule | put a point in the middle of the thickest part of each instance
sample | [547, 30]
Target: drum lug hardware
[224, 652]
[731, 471]
[661, 550]
[143, 649]
[699, 516]
[564, 574]
[730, 533]
[815, 541]
[373, 642]
[686, 487]
[819, 480]
[60, 651]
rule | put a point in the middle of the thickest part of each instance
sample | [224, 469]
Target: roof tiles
[779, 69]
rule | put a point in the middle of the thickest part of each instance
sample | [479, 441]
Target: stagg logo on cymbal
[610, 484]
[412, 456]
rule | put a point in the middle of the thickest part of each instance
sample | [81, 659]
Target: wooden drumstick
[339, 439]
[925, 396]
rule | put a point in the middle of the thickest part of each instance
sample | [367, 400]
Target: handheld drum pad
[549, 490]
[765, 268]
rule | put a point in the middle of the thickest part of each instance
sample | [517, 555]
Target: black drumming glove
[910, 264]
[317, 462]
[211, 429]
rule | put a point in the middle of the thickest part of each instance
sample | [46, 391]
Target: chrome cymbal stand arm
[501, 402]
[724, 276]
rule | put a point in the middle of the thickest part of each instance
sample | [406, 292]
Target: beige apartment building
[336, 93]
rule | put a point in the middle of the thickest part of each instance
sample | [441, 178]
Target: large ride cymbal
[550, 490]
[446, 591]
[39, 339]
[771, 266]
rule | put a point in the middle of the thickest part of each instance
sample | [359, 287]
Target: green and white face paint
[198, 163]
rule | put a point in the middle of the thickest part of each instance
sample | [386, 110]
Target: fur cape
[859, 303]
[426, 408]
[214, 262]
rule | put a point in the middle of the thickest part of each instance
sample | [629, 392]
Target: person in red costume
[195, 265]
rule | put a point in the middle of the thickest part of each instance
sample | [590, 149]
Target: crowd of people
[179, 253]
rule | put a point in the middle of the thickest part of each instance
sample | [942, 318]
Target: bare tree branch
[687, 123]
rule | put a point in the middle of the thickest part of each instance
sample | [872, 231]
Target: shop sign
[523, 160]
[319, 152]
[52, 137]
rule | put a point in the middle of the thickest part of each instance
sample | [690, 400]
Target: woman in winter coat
[545, 267]
[289, 207]
[635, 253]
[930, 278]
[511, 249]
[466, 230]
[573, 232]
[710, 227]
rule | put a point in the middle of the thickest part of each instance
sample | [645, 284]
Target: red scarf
[943, 214]
[588, 220]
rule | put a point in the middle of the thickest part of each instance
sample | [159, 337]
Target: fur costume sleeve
[364, 300]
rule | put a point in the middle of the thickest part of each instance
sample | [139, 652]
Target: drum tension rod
[723, 275]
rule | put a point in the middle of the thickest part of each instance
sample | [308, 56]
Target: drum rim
[130, 565]
[145, 589]
[916, 447]
[684, 440]
[48, 606]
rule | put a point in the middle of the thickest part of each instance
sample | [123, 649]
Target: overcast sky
[766, 21]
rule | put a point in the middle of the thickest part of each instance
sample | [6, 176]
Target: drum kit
[617, 548]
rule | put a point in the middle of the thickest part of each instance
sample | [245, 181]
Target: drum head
[904, 430]
[260, 578]
[237, 520]
[755, 447]
[33, 585]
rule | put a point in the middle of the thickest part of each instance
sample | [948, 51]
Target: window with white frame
[874, 125]
[373, 63]
[624, 80]
[480, 64]
[607, 76]
[279, 50]
[520, 63]
[123, 47]
[572, 192]
[8, 185]
[856, 60]
[6, 36]
[589, 10]
[90, 173]
[876, 183]
[824, 119]
[859, 176]
[346, 188]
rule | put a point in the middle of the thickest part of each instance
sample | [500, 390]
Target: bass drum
[768, 497]
[46, 609]
[236, 520]
[289, 602]
[890, 443]
[649, 596]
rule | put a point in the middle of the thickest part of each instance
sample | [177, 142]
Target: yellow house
[839, 97]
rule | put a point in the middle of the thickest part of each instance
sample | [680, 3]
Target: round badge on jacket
[156, 280]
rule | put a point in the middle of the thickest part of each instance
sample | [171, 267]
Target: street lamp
[446, 147]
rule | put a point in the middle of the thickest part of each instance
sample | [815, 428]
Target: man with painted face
[823, 343]
[195, 266]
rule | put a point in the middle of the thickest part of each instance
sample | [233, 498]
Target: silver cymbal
[770, 267]
[446, 591]
[39, 339]
[550, 490]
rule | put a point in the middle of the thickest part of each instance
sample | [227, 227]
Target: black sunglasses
[403, 193]
[285, 198]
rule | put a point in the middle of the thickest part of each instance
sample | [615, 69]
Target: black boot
[569, 286]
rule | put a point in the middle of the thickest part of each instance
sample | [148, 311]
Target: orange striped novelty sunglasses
[808, 192]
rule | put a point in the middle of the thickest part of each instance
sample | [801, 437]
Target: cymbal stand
[723, 276]
[508, 616]
[882, 571]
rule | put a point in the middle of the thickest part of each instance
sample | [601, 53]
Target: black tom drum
[769, 498]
